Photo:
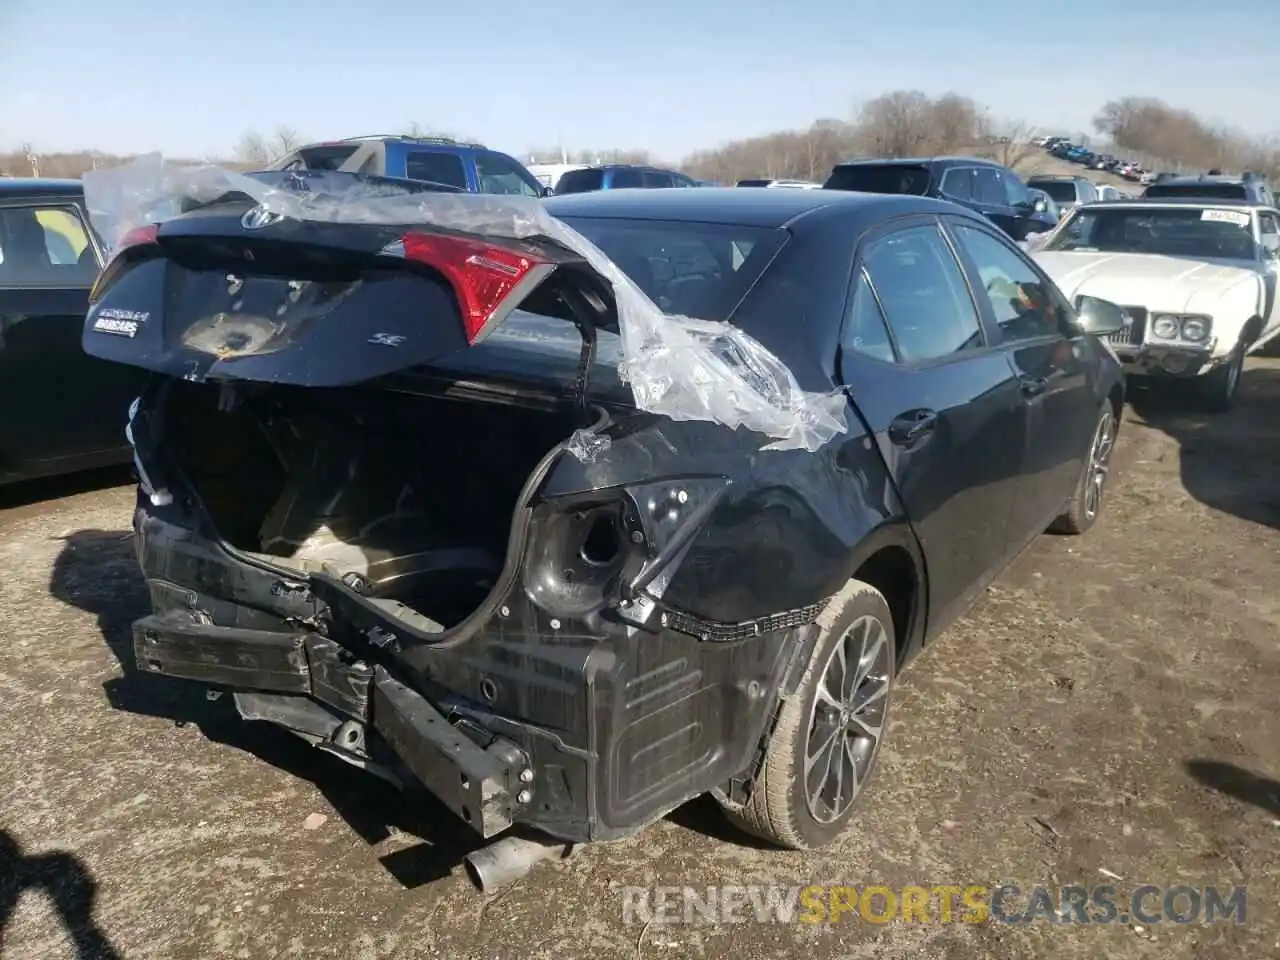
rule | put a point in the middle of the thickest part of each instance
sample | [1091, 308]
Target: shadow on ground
[68, 885]
[1228, 461]
[96, 571]
[1238, 783]
[34, 492]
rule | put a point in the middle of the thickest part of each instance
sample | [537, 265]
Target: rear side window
[623, 179]
[865, 329]
[45, 245]
[923, 294]
[580, 181]
[437, 167]
[900, 178]
[692, 269]
[1216, 191]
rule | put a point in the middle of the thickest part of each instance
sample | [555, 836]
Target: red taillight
[138, 237]
[488, 280]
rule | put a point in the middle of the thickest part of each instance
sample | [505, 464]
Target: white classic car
[1197, 279]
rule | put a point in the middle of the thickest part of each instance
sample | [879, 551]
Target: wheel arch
[890, 559]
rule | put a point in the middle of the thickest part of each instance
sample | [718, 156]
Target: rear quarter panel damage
[639, 720]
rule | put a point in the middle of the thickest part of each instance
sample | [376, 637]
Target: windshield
[691, 269]
[898, 178]
[1200, 232]
[1062, 191]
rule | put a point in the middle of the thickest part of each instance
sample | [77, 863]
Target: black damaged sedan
[367, 512]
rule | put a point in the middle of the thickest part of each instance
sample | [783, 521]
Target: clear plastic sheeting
[587, 446]
[676, 366]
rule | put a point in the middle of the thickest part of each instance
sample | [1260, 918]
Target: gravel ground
[1106, 711]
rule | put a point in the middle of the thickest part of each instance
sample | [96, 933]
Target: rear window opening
[899, 178]
[1060, 191]
[1217, 191]
[329, 157]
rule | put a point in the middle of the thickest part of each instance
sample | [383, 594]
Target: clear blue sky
[189, 77]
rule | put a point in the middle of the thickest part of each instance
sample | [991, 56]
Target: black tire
[779, 809]
[1218, 388]
[1082, 510]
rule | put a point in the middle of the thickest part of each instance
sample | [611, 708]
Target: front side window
[987, 187]
[923, 294]
[1269, 227]
[45, 245]
[501, 174]
[1024, 304]
[654, 178]
[1014, 189]
[957, 183]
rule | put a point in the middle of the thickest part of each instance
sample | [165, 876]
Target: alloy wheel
[1099, 464]
[848, 718]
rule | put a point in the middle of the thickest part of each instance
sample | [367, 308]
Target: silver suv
[1067, 192]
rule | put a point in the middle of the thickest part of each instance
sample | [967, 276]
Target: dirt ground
[1109, 706]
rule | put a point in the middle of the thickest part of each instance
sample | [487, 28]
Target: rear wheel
[1086, 503]
[1218, 387]
[824, 747]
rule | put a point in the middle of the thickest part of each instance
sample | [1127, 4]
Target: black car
[989, 188]
[1245, 189]
[620, 176]
[63, 408]
[444, 543]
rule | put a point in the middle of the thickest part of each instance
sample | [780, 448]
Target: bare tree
[285, 140]
[253, 150]
[1010, 144]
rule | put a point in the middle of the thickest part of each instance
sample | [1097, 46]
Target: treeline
[896, 124]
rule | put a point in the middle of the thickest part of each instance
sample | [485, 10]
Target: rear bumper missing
[481, 784]
[583, 729]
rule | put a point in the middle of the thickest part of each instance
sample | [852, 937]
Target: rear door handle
[910, 427]
[1033, 386]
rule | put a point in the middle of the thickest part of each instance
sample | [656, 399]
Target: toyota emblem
[259, 217]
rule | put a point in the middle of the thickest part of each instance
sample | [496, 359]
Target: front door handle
[1033, 386]
[910, 427]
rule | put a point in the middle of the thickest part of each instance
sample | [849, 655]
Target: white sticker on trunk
[121, 323]
[1226, 216]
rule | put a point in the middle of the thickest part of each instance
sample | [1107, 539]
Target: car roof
[625, 166]
[1185, 201]
[39, 186]
[919, 161]
[731, 205]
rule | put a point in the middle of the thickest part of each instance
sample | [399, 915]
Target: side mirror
[548, 192]
[1100, 317]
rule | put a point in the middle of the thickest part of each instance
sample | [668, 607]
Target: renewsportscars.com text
[944, 903]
